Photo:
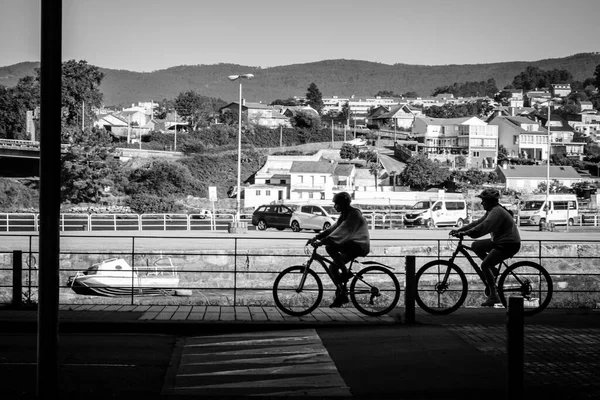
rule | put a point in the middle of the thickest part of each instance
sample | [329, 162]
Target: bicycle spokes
[530, 281]
[375, 290]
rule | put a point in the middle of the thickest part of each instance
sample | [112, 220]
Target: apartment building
[444, 139]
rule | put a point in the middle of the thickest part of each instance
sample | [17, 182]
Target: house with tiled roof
[561, 134]
[526, 178]
[402, 116]
[259, 114]
[522, 137]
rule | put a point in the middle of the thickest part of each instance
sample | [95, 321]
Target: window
[258, 192]
[301, 178]
[310, 195]
[267, 192]
[282, 181]
[475, 154]
[268, 181]
[560, 205]
[455, 205]
[323, 179]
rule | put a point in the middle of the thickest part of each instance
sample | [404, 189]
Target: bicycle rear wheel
[374, 291]
[441, 287]
[296, 295]
[529, 280]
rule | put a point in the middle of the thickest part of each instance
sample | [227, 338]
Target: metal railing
[241, 271]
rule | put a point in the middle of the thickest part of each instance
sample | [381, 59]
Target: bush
[15, 196]
[149, 204]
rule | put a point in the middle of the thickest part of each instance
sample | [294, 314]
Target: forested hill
[333, 77]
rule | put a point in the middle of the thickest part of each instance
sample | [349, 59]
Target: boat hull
[106, 286]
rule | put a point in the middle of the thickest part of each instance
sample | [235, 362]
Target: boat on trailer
[115, 277]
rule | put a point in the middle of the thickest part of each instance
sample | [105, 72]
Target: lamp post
[239, 163]
[548, 168]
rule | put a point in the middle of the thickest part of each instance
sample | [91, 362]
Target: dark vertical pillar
[410, 291]
[515, 348]
[49, 237]
[17, 290]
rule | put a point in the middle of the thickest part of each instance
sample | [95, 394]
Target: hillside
[333, 77]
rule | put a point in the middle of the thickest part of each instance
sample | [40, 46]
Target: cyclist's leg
[340, 258]
[488, 265]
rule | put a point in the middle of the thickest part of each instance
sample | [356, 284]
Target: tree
[162, 179]
[305, 120]
[421, 173]
[89, 165]
[387, 93]
[411, 95]
[80, 88]
[555, 187]
[314, 97]
[348, 151]
[597, 77]
[14, 103]
[469, 89]
[503, 97]
[287, 102]
[198, 110]
[374, 168]
[533, 77]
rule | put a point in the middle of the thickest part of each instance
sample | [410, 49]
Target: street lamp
[548, 166]
[239, 166]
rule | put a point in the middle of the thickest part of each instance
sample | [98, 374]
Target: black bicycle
[442, 286]
[374, 290]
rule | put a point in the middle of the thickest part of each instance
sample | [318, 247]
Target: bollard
[410, 291]
[515, 348]
[17, 292]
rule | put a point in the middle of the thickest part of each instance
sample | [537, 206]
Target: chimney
[243, 102]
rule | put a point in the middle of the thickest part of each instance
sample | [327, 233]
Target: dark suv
[272, 216]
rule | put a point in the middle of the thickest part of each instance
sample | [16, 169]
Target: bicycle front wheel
[529, 280]
[297, 291]
[441, 287]
[374, 291]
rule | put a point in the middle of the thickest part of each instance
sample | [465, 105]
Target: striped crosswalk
[279, 363]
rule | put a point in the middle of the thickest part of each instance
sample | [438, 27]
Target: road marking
[262, 364]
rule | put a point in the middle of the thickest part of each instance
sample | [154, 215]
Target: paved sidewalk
[461, 354]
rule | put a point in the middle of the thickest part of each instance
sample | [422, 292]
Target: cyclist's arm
[486, 225]
[472, 224]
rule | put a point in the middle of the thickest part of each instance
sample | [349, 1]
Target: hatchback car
[313, 217]
[272, 216]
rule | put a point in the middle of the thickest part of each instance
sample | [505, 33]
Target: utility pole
[82, 115]
[332, 133]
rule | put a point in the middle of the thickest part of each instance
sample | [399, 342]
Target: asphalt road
[270, 239]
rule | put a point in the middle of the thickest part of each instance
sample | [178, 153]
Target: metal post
[239, 160]
[515, 348]
[17, 296]
[410, 291]
[49, 236]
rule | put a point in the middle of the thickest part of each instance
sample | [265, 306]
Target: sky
[149, 35]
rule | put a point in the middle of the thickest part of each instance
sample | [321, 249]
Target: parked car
[272, 216]
[202, 214]
[436, 213]
[313, 217]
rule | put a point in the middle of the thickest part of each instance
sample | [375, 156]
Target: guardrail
[29, 222]
[240, 271]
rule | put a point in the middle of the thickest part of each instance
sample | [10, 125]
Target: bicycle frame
[327, 262]
[464, 250]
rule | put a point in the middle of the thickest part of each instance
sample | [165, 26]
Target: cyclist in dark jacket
[345, 240]
[505, 240]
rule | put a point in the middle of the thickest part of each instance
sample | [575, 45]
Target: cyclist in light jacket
[345, 240]
[505, 240]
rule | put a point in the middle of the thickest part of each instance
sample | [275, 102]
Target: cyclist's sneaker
[490, 301]
[339, 301]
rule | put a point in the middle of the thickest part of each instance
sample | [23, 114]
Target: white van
[562, 210]
[432, 213]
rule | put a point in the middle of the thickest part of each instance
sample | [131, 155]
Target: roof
[312, 167]
[344, 169]
[538, 171]
[447, 121]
